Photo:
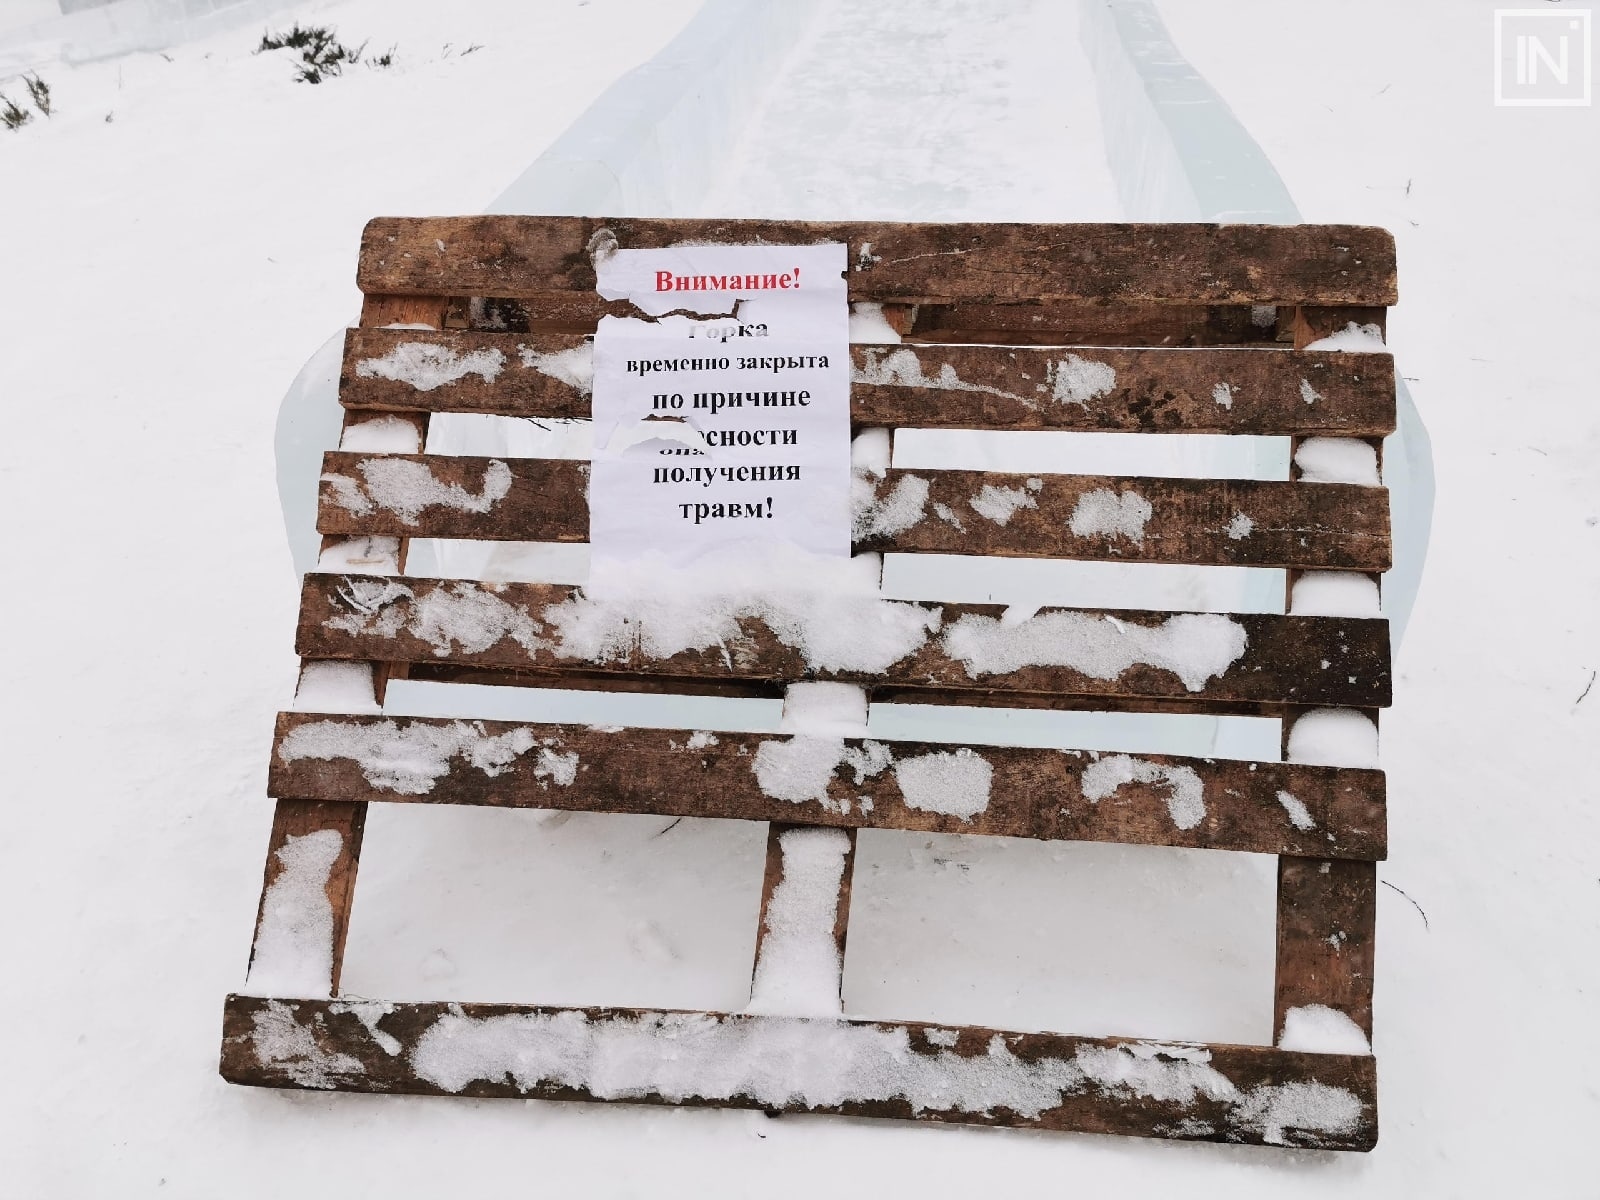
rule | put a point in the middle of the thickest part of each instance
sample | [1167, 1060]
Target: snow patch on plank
[800, 769]
[279, 1040]
[797, 973]
[406, 488]
[427, 366]
[574, 367]
[834, 622]
[955, 783]
[1240, 527]
[1000, 504]
[902, 368]
[369, 1013]
[1318, 1029]
[1195, 647]
[1186, 794]
[294, 943]
[408, 760]
[786, 1062]
[1076, 380]
[1299, 815]
[1103, 513]
[872, 516]
[1223, 395]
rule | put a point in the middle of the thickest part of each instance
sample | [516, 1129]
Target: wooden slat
[1190, 521]
[1214, 1093]
[1069, 795]
[1327, 914]
[519, 625]
[929, 386]
[1193, 521]
[521, 499]
[296, 818]
[770, 991]
[1093, 323]
[907, 263]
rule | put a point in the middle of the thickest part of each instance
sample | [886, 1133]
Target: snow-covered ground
[167, 270]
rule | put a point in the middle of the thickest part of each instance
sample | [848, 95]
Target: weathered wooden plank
[1228, 390]
[1091, 323]
[909, 263]
[516, 375]
[1255, 523]
[929, 386]
[1229, 522]
[449, 496]
[319, 818]
[1066, 795]
[1327, 915]
[1194, 521]
[902, 1070]
[787, 638]
[799, 919]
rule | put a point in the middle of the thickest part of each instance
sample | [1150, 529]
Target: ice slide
[906, 111]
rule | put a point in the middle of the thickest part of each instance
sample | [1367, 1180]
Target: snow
[1337, 460]
[1076, 380]
[953, 782]
[574, 367]
[868, 325]
[1299, 815]
[381, 435]
[1318, 1029]
[216, 215]
[1353, 337]
[824, 708]
[870, 451]
[1334, 737]
[1193, 646]
[1186, 797]
[408, 488]
[1103, 512]
[426, 366]
[797, 970]
[361, 556]
[903, 368]
[278, 1040]
[1334, 594]
[407, 760]
[826, 608]
[294, 948]
[800, 769]
[335, 687]
[1240, 527]
[1000, 504]
[895, 512]
[776, 1061]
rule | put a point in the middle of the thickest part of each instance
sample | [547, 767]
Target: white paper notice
[724, 435]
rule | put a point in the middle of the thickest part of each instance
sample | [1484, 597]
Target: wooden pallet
[1205, 329]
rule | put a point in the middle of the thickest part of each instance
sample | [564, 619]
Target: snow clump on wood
[1186, 794]
[426, 366]
[409, 759]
